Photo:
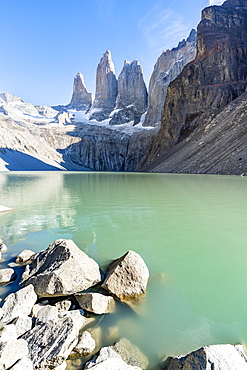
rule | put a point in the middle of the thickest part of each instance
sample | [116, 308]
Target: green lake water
[190, 230]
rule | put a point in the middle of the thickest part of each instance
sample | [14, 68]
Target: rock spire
[132, 94]
[168, 66]
[81, 98]
[106, 89]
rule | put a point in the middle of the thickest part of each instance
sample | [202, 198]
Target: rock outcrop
[81, 98]
[218, 357]
[132, 95]
[216, 77]
[127, 277]
[60, 270]
[168, 66]
[106, 89]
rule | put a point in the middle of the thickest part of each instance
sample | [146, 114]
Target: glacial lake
[191, 230]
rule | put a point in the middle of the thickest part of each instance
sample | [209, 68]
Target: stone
[95, 302]
[108, 359]
[127, 277]
[63, 305]
[77, 317]
[23, 323]
[81, 98]
[25, 256]
[8, 333]
[132, 95]
[85, 345]
[24, 364]
[16, 304]
[63, 118]
[168, 66]
[47, 313]
[46, 111]
[7, 275]
[60, 270]
[51, 343]
[35, 310]
[131, 354]
[106, 89]
[3, 247]
[11, 352]
[217, 357]
[62, 366]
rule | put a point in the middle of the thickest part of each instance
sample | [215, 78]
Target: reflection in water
[190, 230]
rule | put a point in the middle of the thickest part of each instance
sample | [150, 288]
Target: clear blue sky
[45, 43]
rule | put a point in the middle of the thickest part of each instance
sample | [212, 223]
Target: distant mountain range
[191, 119]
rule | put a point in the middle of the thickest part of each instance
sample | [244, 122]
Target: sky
[45, 43]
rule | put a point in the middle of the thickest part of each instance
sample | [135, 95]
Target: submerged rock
[62, 269]
[95, 302]
[127, 276]
[130, 353]
[218, 357]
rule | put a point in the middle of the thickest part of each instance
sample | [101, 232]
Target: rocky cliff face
[106, 89]
[132, 95]
[216, 77]
[168, 66]
[81, 98]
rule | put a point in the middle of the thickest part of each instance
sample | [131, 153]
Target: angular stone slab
[12, 351]
[19, 303]
[7, 275]
[95, 302]
[217, 357]
[51, 343]
[127, 276]
[86, 344]
[130, 353]
[25, 256]
[62, 269]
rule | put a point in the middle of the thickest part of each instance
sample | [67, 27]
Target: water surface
[189, 229]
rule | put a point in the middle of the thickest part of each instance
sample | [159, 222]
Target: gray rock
[85, 345]
[64, 118]
[132, 96]
[63, 305]
[8, 333]
[106, 89]
[23, 323]
[81, 98]
[127, 276]
[62, 269]
[168, 66]
[24, 364]
[11, 352]
[108, 359]
[51, 343]
[19, 303]
[77, 316]
[25, 256]
[6, 275]
[3, 247]
[131, 354]
[95, 302]
[36, 308]
[218, 357]
[47, 313]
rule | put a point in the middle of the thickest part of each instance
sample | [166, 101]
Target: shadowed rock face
[132, 94]
[81, 98]
[168, 66]
[216, 77]
[106, 89]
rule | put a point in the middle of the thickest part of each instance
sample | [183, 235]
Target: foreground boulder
[130, 353]
[218, 357]
[127, 276]
[19, 303]
[12, 351]
[60, 270]
[95, 302]
[51, 343]
[108, 359]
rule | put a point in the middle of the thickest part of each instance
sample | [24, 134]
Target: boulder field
[49, 319]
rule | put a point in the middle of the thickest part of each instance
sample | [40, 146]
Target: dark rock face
[168, 66]
[216, 77]
[106, 89]
[132, 95]
[81, 98]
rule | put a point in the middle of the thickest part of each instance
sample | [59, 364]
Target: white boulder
[95, 302]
